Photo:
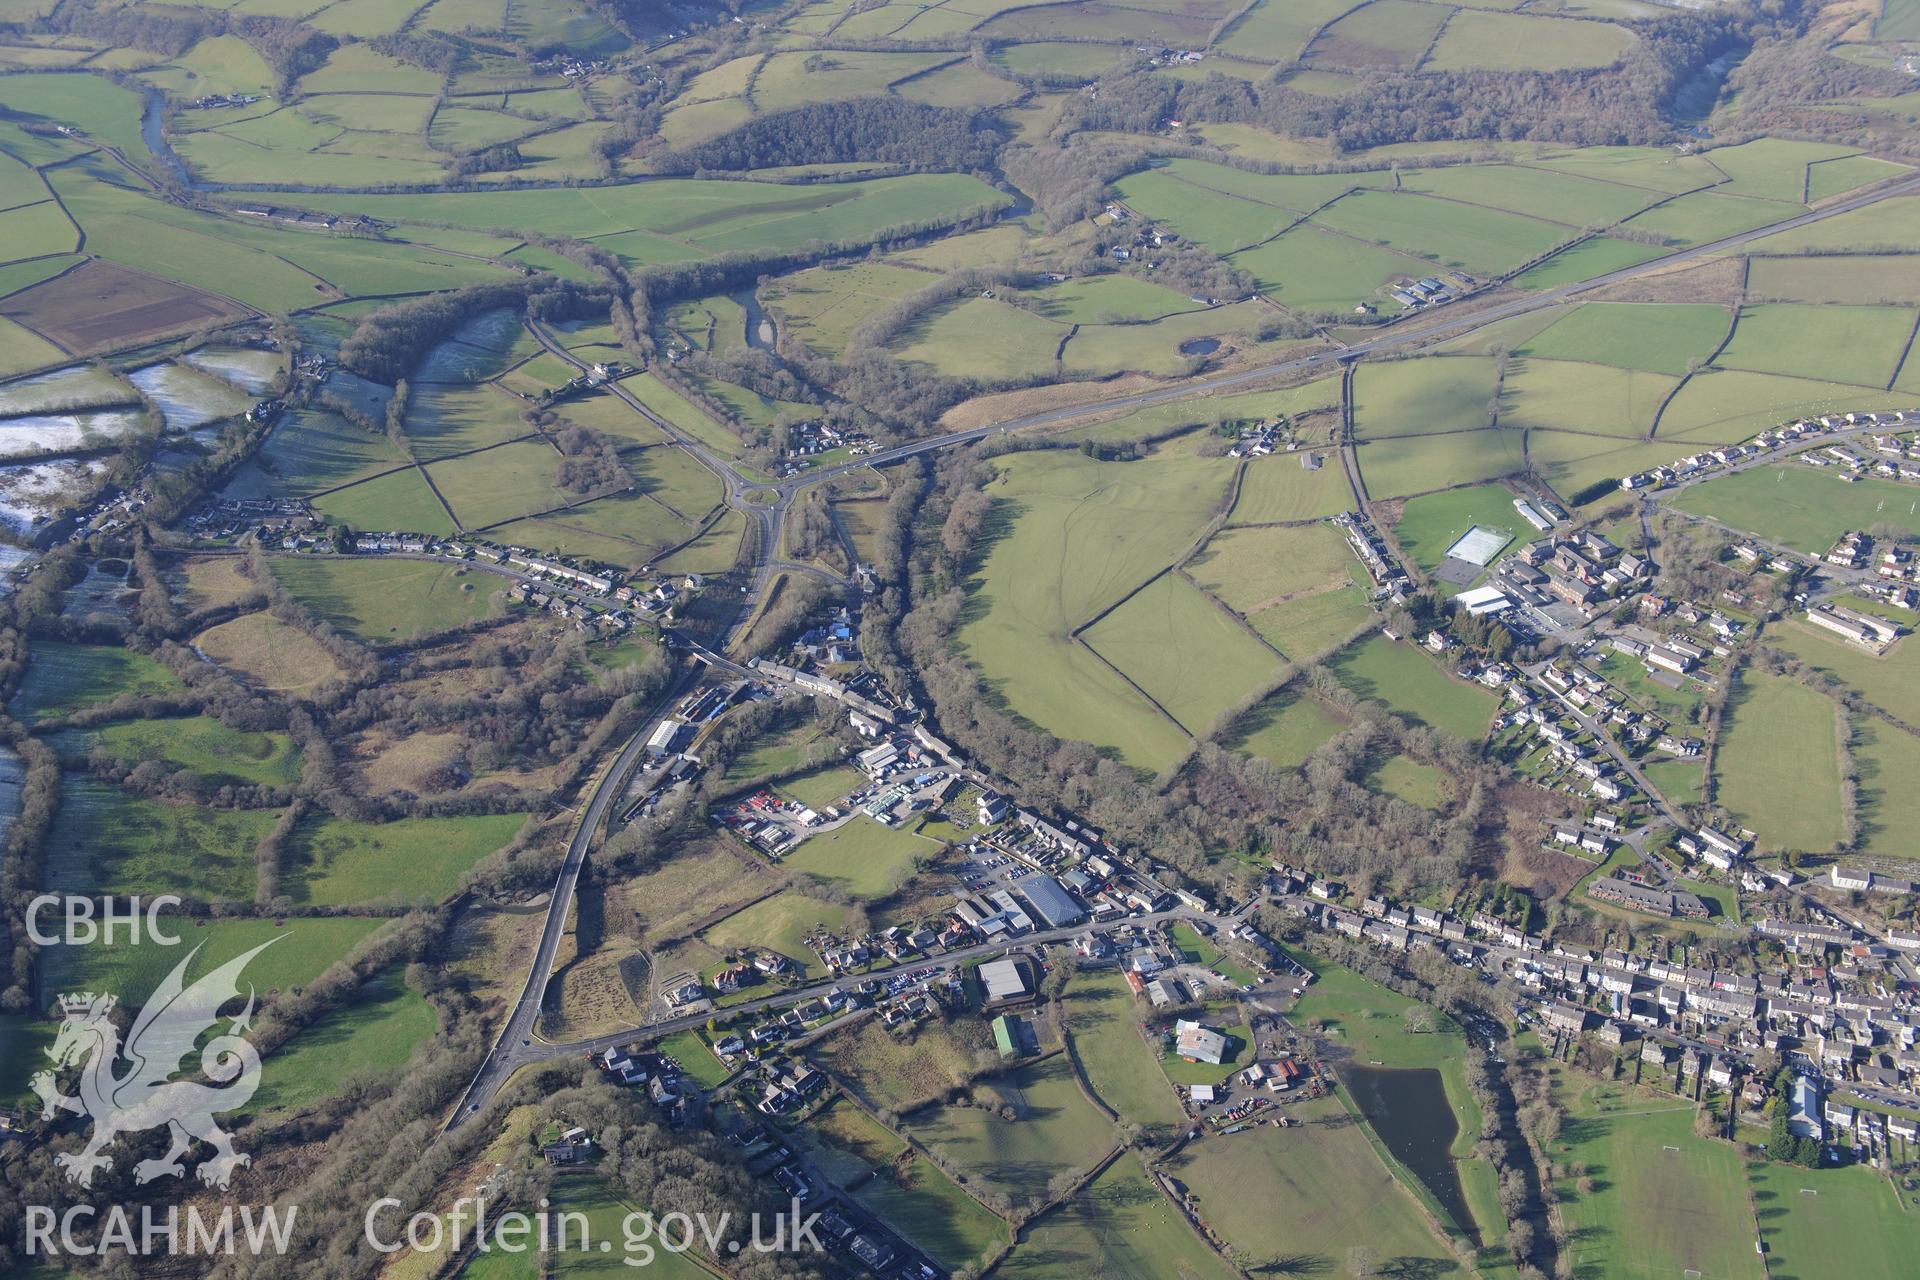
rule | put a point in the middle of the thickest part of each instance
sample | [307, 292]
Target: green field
[105, 840]
[1589, 398]
[397, 500]
[1777, 767]
[1055, 1130]
[1311, 269]
[63, 678]
[1396, 673]
[822, 787]
[863, 858]
[925, 1206]
[1251, 569]
[389, 599]
[1418, 784]
[1706, 216]
[1847, 1217]
[334, 862]
[1665, 1203]
[780, 923]
[1079, 535]
[1480, 240]
[299, 952]
[1121, 1068]
[1519, 42]
[1656, 337]
[1429, 525]
[1285, 729]
[1585, 260]
[1308, 627]
[1858, 278]
[1190, 656]
[1277, 488]
[1422, 396]
[1727, 406]
[199, 744]
[1383, 34]
[1422, 464]
[1805, 508]
[1884, 757]
[1308, 1196]
[1891, 682]
[1858, 345]
[1119, 1228]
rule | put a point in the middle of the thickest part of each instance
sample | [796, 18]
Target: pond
[1199, 346]
[1410, 1112]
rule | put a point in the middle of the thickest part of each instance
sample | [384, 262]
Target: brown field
[690, 890]
[899, 1074]
[1722, 281]
[1000, 407]
[492, 947]
[268, 652]
[100, 306]
[207, 581]
[403, 764]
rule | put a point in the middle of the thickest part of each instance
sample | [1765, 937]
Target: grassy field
[1706, 216]
[1476, 39]
[1396, 673]
[1665, 1203]
[822, 306]
[981, 338]
[105, 840]
[1726, 406]
[1422, 464]
[397, 500]
[1848, 1218]
[1590, 398]
[1777, 766]
[1119, 1228]
[1055, 1130]
[1418, 784]
[332, 862]
[1310, 269]
[300, 951]
[1186, 653]
[1656, 337]
[370, 1039]
[1858, 345]
[1384, 34]
[1079, 534]
[1885, 757]
[1585, 260]
[1429, 525]
[891, 1072]
[1121, 1068]
[1277, 488]
[822, 787]
[1285, 729]
[1312, 626]
[1336, 1192]
[1866, 278]
[389, 599]
[779, 923]
[862, 857]
[200, 744]
[925, 1205]
[1805, 508]
[63, 678]
[1891, 682]
[1423, 396]
[1477, 239]
[268, 652]
[1251, 569]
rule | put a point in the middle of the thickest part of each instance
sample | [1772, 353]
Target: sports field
[1429, 526]
[1776, 767]
[1850, 1218]
[1664, 1202]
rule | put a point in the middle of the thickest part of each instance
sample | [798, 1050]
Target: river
[1408, 1108]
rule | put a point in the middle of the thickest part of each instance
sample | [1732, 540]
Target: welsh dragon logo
[130, 1088]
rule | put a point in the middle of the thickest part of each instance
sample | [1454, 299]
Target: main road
[516, 1045]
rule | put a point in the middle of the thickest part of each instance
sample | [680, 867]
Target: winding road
[765, 506]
